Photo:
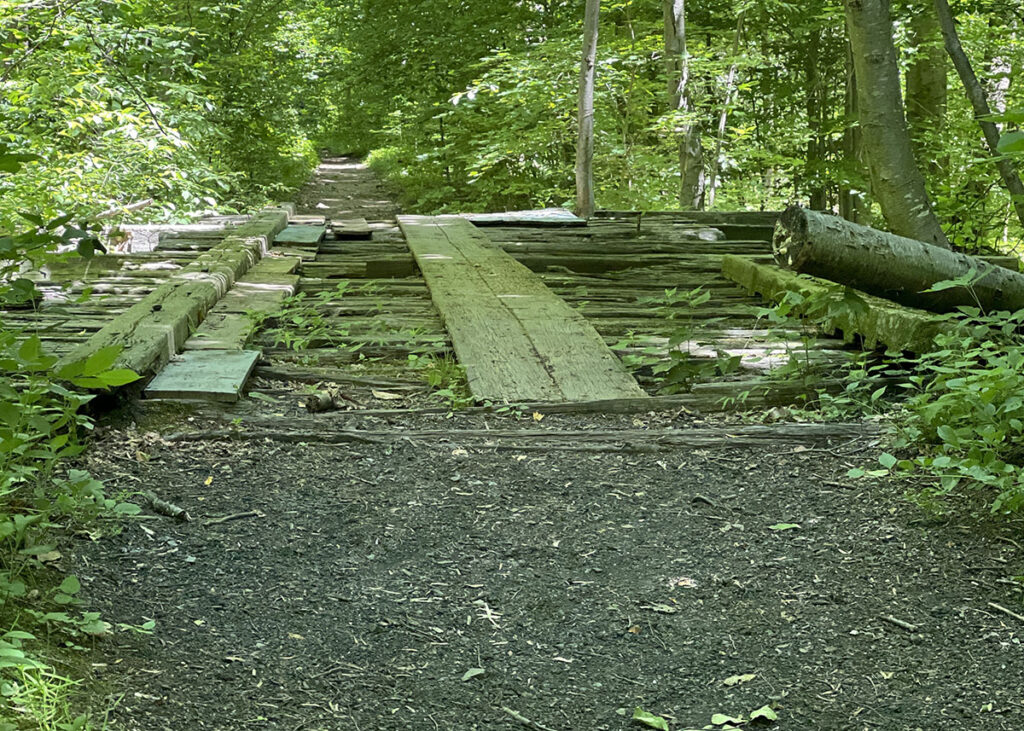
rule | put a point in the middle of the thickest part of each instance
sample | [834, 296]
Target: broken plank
[881, 321]
[351, 228]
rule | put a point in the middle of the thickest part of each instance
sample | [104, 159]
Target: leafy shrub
[966, 408]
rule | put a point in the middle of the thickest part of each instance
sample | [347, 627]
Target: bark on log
[890, 266]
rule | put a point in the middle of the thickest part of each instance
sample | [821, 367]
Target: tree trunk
[926, 83]
[897, 182]
[979, 101]
[814, 104]
[723, 118]
[890, 266]
[585, 143]
[853, 202]
[677, 62]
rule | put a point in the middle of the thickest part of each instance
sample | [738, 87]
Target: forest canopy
[472, 105]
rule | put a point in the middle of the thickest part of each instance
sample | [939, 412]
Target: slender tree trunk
[979, 101]
[723, 118]
[585, 143]
[853, 203]
[926, 84]
[677, 61]
[897, 182]
[814, 105]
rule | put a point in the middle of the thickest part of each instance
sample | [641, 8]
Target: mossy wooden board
[517, 340]
[881, 321]
[214, 375]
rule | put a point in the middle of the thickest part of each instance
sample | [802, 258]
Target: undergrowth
[955, 413]
[42, 427]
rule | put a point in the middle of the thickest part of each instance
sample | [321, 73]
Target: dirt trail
[453, 586]
[343, 187]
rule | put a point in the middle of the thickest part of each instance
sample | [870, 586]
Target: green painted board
[517, 340]
[300, 235]
[210, 375]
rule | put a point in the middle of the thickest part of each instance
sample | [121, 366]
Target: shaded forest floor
[442, 585]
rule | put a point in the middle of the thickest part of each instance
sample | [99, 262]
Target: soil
[362, 587]
[455, 585]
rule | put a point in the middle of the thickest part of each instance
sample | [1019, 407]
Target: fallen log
[890, 266]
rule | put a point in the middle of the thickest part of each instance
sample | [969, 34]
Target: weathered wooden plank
[264, 287]
[274, 264]
[517, 340]
[212, 375]
[309, 220]
[297, 252]
[221, 331]
[542, 217]
[351, 228]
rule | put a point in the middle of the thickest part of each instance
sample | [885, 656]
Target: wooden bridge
[539, 308]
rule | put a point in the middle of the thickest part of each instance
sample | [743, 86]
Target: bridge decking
[378, 323]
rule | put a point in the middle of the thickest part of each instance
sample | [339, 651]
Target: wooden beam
[156, 327]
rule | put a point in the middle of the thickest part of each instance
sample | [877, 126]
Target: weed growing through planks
[446, 377]
[682, 366]
[816, 312]
[303, 322]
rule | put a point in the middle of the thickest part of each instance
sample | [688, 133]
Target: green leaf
[101, 360]
[764, 712]
[19, 635]
[1011, 143]
[649, 719]
[119, 377]
[887, 460]
[12, 162]
[127, 509]
[71, 585]
[720, 719]
[472, 673]
[784, 526]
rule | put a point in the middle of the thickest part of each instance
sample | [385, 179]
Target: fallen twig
[1008, 612]
[165, 508]
[234, 516]
[525, 721]
[898, 622]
